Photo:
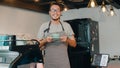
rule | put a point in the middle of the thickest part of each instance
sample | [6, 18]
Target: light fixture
[65, 8]
[36, 0]
[103, 7]
[112, 12]
[92, 3]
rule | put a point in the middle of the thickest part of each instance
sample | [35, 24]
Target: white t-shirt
[55, 28]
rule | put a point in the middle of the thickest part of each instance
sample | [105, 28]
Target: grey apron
[56, 55]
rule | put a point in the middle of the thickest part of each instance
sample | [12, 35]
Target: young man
[56, 35]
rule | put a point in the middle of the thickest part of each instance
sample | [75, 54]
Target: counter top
[2, 65]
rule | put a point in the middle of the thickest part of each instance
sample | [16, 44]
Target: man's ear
[49, 12]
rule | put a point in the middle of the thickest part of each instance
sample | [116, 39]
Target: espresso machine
[13, 54]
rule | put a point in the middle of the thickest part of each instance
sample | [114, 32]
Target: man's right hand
[49, 39]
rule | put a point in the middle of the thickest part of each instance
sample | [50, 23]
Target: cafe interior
[96, 24]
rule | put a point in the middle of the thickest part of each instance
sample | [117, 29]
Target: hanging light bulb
[36, 0]
[65, 8]
[103, 7]
[112, 12]
[92, 3]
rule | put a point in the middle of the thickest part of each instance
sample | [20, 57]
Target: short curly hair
[56, 3]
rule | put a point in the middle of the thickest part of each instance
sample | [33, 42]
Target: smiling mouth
[55, 16]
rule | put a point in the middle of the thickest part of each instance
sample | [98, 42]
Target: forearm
[71, 42]
[42, 42]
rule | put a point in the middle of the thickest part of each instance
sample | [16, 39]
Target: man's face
[55, 12]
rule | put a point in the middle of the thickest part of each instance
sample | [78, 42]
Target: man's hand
[63, 38]
[49, 39]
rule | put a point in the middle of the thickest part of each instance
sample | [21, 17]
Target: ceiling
[43, 5]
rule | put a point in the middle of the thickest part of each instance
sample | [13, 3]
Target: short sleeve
[68, 29]
[41, 31]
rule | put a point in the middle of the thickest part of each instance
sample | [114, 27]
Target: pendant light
[103, 7]
[36, 0]
[112, 12]
[92, 3]
[65, 7]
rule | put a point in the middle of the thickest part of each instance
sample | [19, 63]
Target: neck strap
[50, 25]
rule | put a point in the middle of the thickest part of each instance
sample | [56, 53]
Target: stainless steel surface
[7, 56]
[3, 65]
